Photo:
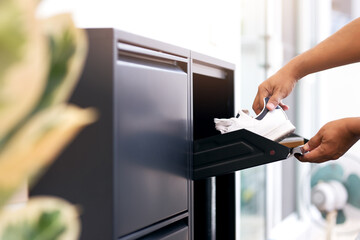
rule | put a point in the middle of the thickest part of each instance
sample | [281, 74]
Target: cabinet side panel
[83, 172]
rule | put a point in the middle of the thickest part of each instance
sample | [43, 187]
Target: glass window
[253, 204]
[253, 72]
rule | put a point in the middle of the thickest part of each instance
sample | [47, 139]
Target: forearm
[341, 48]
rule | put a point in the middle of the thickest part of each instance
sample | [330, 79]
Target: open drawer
[227, 153]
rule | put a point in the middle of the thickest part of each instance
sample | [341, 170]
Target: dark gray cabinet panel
[151, 140]
[128, 171]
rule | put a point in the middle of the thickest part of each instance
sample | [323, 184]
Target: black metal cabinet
[153, 166]
[129, 171]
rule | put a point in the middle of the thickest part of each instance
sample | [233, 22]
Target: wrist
[353, 126]
[300, 66]
[290, 72]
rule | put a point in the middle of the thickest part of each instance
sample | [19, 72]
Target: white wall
[212, 27]
[208, 26]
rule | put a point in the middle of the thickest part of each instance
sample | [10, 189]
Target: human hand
[332, 141]
[277, 87]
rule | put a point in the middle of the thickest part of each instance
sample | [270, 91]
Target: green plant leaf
[68, 48]
[35, 146]
[13, 36]
[62, 48]
[43, 218]
[23, 62]
[47, 227]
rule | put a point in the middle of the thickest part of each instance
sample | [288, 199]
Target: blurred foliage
[46, 227]
[44, 218]
[12, 35]
[40, 63]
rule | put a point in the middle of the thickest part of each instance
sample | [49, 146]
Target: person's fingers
[318, 155]
[259, 100]
[314, 142]
[313, 150]
[262, 93]
[258, 103]
[255, 105]
[284, 106]
[273, 102]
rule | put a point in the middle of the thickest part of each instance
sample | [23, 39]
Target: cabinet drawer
[151, 138]
[227, 153]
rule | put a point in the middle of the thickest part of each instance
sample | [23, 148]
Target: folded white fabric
[273, 125]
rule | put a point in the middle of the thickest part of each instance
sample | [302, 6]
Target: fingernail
[305, 148]
[270, 106]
